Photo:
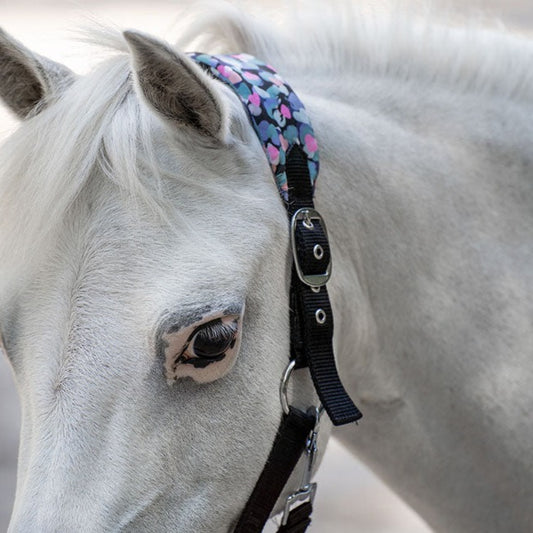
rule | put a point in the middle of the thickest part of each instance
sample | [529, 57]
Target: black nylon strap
[286, 451]
[310, 312]
[300, 187]
[318, 351]
[311, 345]
[311, 315]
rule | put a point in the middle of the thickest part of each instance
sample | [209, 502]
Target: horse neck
[421, 189]
[403, 170]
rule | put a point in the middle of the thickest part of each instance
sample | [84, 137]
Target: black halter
[280, 118]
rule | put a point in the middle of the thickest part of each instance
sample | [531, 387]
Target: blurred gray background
[350, 498]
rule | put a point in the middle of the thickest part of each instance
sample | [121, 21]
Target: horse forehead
[116, 282]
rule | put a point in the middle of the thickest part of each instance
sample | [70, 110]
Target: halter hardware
[283, 127]
[310, 220]
[283, 386]
[307, 490]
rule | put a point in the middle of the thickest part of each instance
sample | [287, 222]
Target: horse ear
[28, 81]
[176, 87]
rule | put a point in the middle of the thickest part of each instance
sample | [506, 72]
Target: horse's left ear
[28, 81]
[176, 87]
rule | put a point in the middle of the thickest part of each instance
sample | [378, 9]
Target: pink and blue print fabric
[277, 114]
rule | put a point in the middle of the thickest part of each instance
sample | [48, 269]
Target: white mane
[347, 39]
[47, 162]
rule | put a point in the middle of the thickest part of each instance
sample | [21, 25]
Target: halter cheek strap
[282, 125]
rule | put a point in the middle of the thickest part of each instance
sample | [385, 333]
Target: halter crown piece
[284, 129]
[277, 114]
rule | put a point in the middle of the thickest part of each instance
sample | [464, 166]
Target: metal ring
[318, 252]
[320, 316]
[283, 386]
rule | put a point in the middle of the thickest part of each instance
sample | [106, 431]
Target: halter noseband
[284, 129]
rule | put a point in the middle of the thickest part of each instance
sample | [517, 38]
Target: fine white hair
[98, 125]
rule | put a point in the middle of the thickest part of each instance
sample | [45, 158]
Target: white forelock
[96, 127]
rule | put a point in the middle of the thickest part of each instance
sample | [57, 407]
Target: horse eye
[213, 339]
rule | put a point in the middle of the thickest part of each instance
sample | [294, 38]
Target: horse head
[145, 293]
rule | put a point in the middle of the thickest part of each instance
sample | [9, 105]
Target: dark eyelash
[214, 332]
[216, 329]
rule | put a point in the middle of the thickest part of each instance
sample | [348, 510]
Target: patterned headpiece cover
[277, 114]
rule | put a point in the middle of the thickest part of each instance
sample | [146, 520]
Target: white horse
[137, 205]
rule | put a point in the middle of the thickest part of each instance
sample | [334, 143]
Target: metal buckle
[307, 215]
[307, 490]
